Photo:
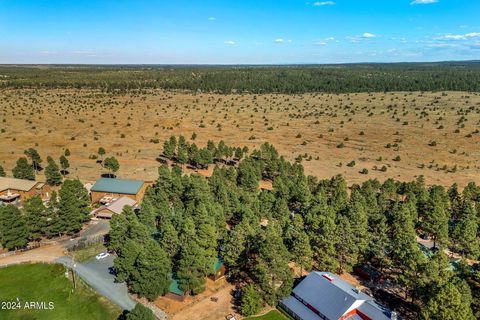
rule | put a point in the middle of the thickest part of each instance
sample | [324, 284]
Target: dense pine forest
[187, 221]
[454, 76]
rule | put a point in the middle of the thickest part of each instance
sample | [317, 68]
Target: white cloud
[473, 35]
[230, 42]
[281, 40]
[85, 53]
[212, 18]
[368, 35]
[321, 43]
[423, 2]
[323, 3]
[330, 39]
[466, 36]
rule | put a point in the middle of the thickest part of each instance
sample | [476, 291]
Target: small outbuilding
[106, 189]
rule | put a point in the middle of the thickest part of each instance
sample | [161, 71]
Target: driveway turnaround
[98, 275]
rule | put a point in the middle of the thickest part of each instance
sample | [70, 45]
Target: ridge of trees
[455, 76]
[191, 220]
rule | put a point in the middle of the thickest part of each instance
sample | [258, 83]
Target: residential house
[12, 189]
[323, 295]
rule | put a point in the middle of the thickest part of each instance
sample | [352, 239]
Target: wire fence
[86, 242]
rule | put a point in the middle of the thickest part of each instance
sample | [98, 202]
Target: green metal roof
[218, 264]
[117, 185]
[174, 288]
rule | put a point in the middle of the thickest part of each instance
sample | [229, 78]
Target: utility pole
[74, 265]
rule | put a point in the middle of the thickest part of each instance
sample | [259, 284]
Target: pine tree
[52, 173]
[447, 304]
[436, 216]
[192, 262]
[23, 170]
[64, 164]
[36, 218]
[152, 272]
[140, 312]
[101, 152]
[169, 147]
[251, 301]
[271, 271]
[112, 164]
[2, 172]
[300, 245]
[73, 206]
[34, 157]
[322, 230]
[404, 251]
[52, 226]
[13, 228]
[465, 232]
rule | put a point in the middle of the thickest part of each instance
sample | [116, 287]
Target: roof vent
[356, 290]
[328, 277]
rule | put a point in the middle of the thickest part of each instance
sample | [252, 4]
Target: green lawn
[272, 315]
[47, 283]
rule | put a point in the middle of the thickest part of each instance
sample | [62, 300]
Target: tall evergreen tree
[34, 157]
[152, 271]
[2, 172]
[251, 301]
[36, 217]
[73, 207]
[447, 304]
[23, 170]
[271, 271]
[52, 173]
[64, 164]
[13, 228]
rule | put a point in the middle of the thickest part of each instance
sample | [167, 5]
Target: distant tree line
[187, 221]
[454, 76]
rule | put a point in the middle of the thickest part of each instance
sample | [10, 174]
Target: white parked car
[102, 255]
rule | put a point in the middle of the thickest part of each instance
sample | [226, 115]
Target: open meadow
[32, 287]
[397, 135]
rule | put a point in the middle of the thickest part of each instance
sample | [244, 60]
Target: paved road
[97, 274]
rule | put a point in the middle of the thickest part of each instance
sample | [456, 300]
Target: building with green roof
[109, 188]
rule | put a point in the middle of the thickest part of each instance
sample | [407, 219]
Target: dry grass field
[434, 134]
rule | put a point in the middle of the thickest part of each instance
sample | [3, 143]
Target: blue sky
[238, 31]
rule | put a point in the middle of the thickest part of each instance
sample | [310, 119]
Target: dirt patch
[201, 307]
[47, 254]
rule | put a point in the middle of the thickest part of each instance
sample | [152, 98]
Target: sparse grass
[47, 283]
[87, 253]
[245, 119]
[271, 315]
